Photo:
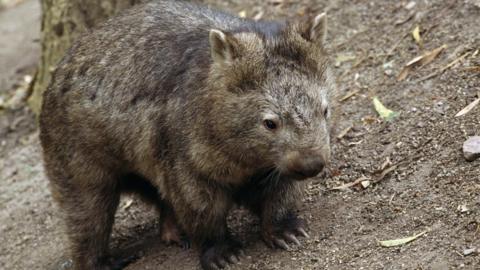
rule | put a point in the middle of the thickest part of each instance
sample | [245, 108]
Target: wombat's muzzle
[303, 165]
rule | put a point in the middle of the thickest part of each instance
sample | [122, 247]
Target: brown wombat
[195, 110]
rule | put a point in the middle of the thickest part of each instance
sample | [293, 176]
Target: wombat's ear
[315, 29]
[221, 46]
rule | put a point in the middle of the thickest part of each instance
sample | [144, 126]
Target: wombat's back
[137, 68]
[138, 50]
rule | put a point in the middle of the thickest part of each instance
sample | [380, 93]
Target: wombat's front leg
[276, 205]
[203, 215]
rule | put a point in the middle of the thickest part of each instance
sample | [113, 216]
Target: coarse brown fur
[195, 110]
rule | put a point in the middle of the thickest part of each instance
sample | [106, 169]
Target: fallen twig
[421, 61]
[349, 95]
[344, 132]
[440, 71]
[351, 184]
[468, 108]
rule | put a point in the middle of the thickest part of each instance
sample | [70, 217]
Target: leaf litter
[421, 61]
[383, 111]
[469, 107]
[400, 241]
[416, 36]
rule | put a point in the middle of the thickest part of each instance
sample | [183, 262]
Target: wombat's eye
[269, 124]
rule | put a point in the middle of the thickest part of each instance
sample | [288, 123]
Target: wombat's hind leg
[170, 231]
[280, 233]
[89, 202]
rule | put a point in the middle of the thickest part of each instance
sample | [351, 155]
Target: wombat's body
[195, 110]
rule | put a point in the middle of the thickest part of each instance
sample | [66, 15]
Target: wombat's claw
[284, 232]
[281, 243]
[185, 242]
[221, 255]
[292, 238]
[303, 233]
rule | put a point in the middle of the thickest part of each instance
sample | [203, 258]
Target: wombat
[197, 111]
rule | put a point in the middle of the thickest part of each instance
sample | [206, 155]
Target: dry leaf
[383, 111]
[420, 61]
[404, 73]
[468, 108]
[430, 56]
[416, 35]
[401, 241]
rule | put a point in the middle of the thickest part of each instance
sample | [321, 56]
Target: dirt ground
[426, 183]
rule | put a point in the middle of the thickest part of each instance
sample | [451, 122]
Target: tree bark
[62, 22]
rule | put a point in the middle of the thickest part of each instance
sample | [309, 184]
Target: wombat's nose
[307, 167]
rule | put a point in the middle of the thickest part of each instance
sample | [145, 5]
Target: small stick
[349, 95]
[344, 132]
[438, 72]
[351, 184]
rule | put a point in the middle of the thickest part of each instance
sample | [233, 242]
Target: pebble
[469, 251]
[471, 148]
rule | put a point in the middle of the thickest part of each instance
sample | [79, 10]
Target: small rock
[471, 148]
[463, 208]
[441, 107]
[365, 183]
[410, 5]
[469, 251]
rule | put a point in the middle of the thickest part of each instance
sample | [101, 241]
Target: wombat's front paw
[219, 255]
[284, 231]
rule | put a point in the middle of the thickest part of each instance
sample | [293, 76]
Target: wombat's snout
[305, 164]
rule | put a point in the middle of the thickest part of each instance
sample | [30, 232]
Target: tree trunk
[62, 22]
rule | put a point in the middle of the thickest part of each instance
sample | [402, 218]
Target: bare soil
[430, 186]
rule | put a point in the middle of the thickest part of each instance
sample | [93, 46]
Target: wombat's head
[274, 102]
